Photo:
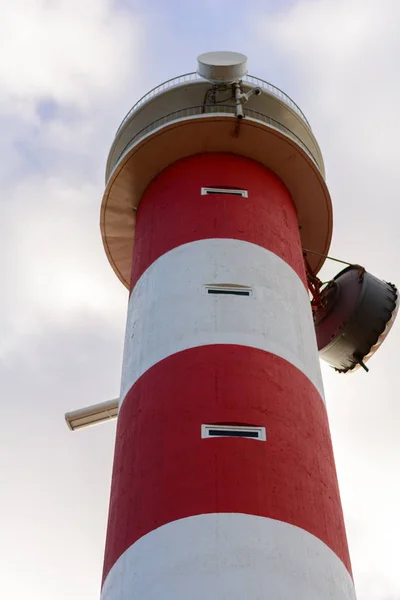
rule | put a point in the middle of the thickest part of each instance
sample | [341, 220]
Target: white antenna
[222, 67]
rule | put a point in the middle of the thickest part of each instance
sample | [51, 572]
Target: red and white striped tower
[224, 482]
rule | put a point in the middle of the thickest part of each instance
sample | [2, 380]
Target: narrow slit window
[244, 431]
[229, 289]
[208, 191]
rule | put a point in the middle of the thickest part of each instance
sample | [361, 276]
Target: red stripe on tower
[224, 482]
[178, 215]
[291, 477]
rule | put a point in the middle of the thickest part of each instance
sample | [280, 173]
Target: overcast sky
[69, 71]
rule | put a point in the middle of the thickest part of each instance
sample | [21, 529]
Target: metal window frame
[227, 289]
[208, 191]
[262, 435]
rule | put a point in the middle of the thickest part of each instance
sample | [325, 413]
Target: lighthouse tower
[224, 483]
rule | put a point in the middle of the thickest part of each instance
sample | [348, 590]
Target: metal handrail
[214, 109]
[187, 77]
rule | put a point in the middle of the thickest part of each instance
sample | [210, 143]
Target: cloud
[344, 54]
[66, 50]
[65, 66]
[52, 257]
[67, 70]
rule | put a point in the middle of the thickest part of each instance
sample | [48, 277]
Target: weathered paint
[169, 309]
[235, 556]
[164, 470]
[193, 358]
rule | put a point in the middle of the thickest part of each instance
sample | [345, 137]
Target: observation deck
[189, 115]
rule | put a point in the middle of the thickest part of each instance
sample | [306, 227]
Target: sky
[69, 71]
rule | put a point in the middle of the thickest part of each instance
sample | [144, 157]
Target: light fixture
[92, 415]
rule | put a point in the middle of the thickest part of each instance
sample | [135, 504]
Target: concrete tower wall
[200, 517]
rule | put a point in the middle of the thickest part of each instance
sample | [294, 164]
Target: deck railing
[189, 77]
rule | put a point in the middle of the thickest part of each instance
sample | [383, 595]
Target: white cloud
[82, 57]
[62, 308]
[66, 50]
[345, 54]
[55, 257]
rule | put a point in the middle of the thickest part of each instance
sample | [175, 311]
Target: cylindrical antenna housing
[222, 67]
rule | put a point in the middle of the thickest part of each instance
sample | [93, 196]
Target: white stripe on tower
[194, 517]
[211, 556]
[170, 310]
